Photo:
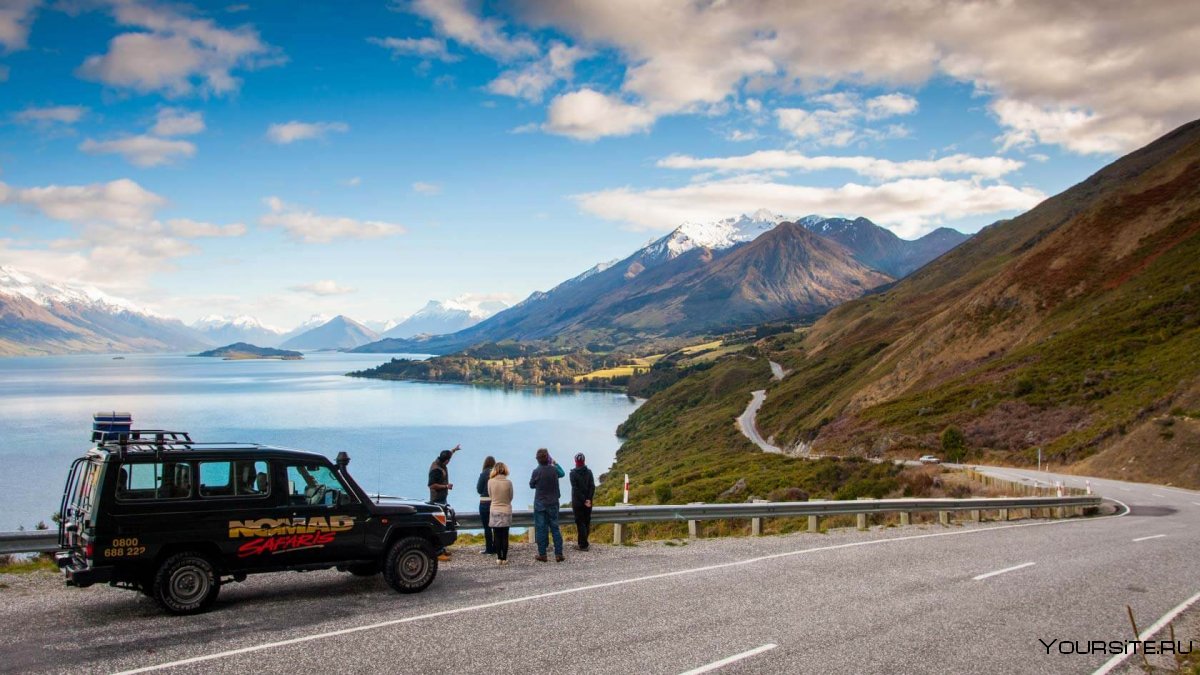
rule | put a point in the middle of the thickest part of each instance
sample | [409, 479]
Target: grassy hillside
[682, 445]
[1064, 329]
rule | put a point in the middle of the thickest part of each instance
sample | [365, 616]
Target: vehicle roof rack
[143, 440]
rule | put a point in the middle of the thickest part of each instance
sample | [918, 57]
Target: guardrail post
[944, 518]
[756, 523]
[1003, 514]
[694, 525]
[976, 515]
[862, 517]
[905, 518]
[813, 525]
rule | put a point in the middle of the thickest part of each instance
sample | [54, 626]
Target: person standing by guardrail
[546, 496]
[485, 503]
[583, 488]
[500, 489]
[440, 485]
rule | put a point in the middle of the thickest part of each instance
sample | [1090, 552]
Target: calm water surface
[392, 430]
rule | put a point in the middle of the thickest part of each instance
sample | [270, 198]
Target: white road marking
[736, 657]
[1126, 489]
[1153, 536]
[1148, 633]
[1196, 503]
[1155, 494]
[1006, 569]
[592, 587]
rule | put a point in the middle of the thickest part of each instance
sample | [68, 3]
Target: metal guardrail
[36, 541]
[43, 541]
[686, 512]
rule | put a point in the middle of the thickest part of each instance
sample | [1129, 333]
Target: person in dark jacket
[546, 496]
[440, 486]
[485, 505]
[583, 488]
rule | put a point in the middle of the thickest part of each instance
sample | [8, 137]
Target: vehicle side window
[144, 481]
[234, 479]
[317, 485]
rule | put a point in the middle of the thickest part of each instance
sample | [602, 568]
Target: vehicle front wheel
[186, 583]
[410, 565]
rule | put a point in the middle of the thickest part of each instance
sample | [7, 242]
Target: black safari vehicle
[154, 511]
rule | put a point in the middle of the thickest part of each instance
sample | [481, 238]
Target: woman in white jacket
[500, 489]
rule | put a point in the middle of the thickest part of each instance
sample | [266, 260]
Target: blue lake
[392, 430]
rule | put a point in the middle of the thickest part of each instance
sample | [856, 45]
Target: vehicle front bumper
[79, 573]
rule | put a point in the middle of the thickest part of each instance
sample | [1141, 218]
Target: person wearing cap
[440, 485]
[583, 488]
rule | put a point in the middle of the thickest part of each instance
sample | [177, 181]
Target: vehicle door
[320, 519]
[235, 495]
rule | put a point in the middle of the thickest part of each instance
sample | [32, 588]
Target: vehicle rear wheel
[364, 569]
[186, 583]
[410, 565]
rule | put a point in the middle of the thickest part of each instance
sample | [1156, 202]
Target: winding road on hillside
[748, 421]
[924, 598]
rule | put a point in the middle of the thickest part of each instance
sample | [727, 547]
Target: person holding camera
[583, 488]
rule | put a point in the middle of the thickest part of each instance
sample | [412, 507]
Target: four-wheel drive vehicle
[157, 512]
[929, 459]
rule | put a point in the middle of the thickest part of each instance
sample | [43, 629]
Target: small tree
[954, 444]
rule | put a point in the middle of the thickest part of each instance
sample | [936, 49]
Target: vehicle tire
[364, 569]
[410, 565]
[186, 583]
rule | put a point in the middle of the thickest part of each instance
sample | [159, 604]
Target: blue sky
[283, 159]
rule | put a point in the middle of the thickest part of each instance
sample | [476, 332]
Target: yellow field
[618, 371]
[699, 348]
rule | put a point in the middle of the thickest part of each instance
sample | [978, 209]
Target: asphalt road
[748, 423]
[917, 599]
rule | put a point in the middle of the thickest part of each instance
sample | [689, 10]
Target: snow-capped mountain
[46, 293]
[314, 321]
[340, 332]
[720, 234]
[40, 316]
[439, 317]
[223, 330]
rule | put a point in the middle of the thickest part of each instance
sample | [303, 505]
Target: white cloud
[454, 20]
[177, 122]
[290, 132]
[56, 114]
[120, 202]
[871, 167]
[117, 244]
[890, 105]
[426, 48]
[424, 188]
[910, 207]
[15, 19]
[531, 81]
[587, 115]
[324, 287]
[194, 229]
[176, 54]
[839, 123]
[314, 228]
[142, 150]
[353, 182]
[1104, 79]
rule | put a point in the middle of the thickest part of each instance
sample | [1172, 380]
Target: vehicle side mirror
[343, 459]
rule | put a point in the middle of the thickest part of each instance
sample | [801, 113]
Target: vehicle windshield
[315, 485]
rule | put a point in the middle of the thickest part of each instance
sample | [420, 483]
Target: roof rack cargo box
[111, 425]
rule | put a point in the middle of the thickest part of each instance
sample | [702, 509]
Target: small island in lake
[239, 351]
